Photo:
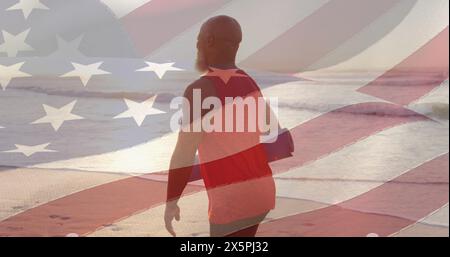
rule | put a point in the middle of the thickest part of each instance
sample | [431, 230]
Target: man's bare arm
[181, 164]
[183, 157]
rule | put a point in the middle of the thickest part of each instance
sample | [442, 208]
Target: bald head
[222, 27]
[218, 42]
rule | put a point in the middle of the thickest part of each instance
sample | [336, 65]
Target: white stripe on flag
[435, 224]
[424, 22]
[121, 8]
[438, 218]
[435, 104]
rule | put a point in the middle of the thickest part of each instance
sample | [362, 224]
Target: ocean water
[101, 143]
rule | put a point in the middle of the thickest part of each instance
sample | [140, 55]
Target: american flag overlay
[86, 86]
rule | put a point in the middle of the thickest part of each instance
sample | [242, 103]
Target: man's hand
[172, 211]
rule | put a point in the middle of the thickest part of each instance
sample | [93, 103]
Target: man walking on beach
[233, 163]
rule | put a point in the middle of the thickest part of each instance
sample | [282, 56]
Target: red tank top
[234, 165]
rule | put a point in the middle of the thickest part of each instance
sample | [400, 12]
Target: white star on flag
[29, 150]
[224, 75]
[27, 6]
[9, 72]
[13, 44]
[138, 111]
[56, 117]
[68, 48]
[160, 68]
[85, 72]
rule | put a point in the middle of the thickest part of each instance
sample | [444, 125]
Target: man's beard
[200, 63]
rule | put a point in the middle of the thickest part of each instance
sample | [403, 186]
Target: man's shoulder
[205, 85]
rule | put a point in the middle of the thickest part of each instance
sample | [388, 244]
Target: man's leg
[241, 228]
[246, 232]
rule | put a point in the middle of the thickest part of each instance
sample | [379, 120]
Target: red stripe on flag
[414, 194]
[153, 24]
[85, 211]
[318, 34]
[429, 62]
